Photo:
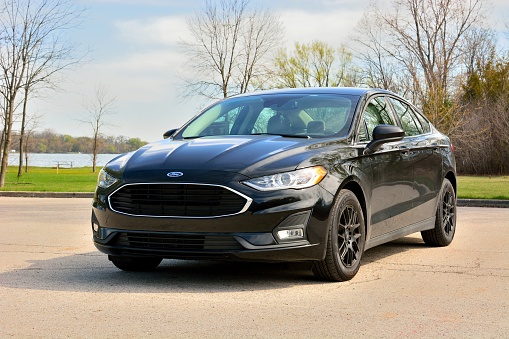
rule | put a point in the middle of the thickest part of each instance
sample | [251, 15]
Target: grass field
[44, 179]
[483, 187]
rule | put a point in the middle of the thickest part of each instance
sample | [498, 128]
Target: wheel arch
[452, 178]
[332, 267]
[353, 185]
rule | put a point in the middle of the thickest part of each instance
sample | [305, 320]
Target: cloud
[150, 61]
[331, 27]
[160, 31]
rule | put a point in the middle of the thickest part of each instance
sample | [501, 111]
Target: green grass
[483, 187]
[44, 179]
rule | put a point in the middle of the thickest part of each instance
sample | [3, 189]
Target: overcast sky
[134, 52]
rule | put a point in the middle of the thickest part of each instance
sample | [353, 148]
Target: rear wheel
[138, 264]
[345, 243]
[445, 221]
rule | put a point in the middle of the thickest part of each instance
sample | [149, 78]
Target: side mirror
[169, 133]
[383, 134]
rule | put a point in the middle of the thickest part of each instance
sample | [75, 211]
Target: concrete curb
[89, 195]
[20, 194]
[483, 203]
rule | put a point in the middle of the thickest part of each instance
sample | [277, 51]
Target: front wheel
[445, 219]
[346, 238]
[137, 264]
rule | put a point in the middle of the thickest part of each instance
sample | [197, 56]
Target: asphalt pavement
[55, 284]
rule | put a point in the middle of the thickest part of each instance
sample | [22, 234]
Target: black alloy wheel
[345, 243]
[136, 264]
[445, 221]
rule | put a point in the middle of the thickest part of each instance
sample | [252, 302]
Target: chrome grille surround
[113, 201]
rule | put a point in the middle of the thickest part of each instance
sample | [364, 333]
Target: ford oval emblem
[175, 174]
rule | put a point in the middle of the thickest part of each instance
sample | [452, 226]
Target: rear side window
[409, 120]
[424, 123]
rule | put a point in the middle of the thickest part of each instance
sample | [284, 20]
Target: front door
[391, 171]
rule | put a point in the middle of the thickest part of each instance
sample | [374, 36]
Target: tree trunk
[2, 139]
[7, 141]
[22, 134]
[95, 151]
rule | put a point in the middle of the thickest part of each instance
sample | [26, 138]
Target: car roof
[360, 91]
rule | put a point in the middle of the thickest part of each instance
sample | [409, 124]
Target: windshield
[294, 115]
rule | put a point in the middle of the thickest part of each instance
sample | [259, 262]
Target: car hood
[246, 155]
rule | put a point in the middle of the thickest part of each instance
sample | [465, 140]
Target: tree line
[48, 141]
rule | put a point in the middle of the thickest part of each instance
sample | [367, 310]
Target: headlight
[301, 178]
[105, 179]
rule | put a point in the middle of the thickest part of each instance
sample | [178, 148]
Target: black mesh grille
[178, 242]
[176, 200]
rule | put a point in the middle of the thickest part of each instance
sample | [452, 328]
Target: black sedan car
[314, 174]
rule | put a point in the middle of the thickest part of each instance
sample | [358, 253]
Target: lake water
[64, 160]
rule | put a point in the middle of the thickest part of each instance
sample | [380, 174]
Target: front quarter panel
[347, 167]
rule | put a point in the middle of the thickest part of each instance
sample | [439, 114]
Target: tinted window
[424, 123]
[376, 113]
[409, 121]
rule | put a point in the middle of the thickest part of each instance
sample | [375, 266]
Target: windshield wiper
[285, 135]
[279, 134]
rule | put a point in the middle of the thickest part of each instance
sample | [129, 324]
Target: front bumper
[208, 245]
[258, 234]
[173, 245]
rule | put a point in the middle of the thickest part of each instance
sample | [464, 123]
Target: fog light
[95, 227]
[290, 234]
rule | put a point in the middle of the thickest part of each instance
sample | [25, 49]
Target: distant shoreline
[62, 159]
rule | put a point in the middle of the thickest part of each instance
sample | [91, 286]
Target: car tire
[445, 221]
[137, 264]
[345, 241]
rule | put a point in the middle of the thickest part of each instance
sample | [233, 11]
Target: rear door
[425, 156]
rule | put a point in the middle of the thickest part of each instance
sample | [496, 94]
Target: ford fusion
[315, 174]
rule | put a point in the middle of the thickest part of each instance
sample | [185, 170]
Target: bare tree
[46, 61]
[2, 124]
[32, 51]
[230, 45]
[426, 39]
[31, 124]
[379, 69]
[98, 108]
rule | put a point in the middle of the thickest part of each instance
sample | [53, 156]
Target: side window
[424, 123]
[376, 113]
[409, 120]
[363, 133]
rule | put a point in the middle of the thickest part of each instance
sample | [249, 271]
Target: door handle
[404, 150]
